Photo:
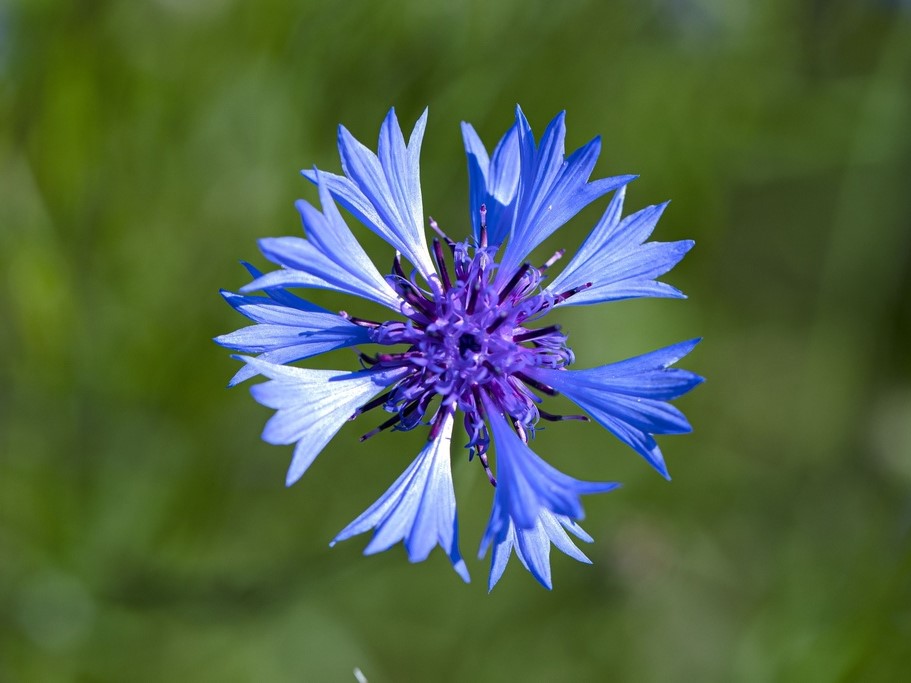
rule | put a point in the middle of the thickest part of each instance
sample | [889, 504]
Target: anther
[543, 388]
[397, 357]
[374, 403]
[483, 458]
[367, 360]
[407, 289]
[483, 236]
[473, 297]
[441, 264]
[550, 417]
[571, 292]
[552, 260]
[363, 322]
[397, 266]
[395, 419]
[514, 281]
[438, 423]
[436, 228]
[520, 430]
[499, 320]
[535, 334]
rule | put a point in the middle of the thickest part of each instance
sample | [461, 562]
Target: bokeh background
[145, 532]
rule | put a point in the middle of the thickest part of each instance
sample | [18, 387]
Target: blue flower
[464, 335]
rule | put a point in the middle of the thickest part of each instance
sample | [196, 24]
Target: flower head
[466, 335]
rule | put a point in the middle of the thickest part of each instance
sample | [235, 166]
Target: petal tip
[462, 570]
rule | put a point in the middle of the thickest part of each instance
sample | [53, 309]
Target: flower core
[465, 334]
[471, 334]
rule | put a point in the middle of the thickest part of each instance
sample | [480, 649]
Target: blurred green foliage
[145, 533]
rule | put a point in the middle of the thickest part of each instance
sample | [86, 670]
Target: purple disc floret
[464, 333]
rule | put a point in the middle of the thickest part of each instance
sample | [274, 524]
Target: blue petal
[532, 546]
[492, 182]
[313, 405]
[330, 259]
[526, 484]
[419, 508]
[384, 192]
[287, 333]
[629, 398]
[551, 190]
[273, 310]
[617, 262]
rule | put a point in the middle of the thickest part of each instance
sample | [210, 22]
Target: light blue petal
[493, 182]
[261, 338]
[478, 167]
[313, 405]
[533, 550]
[281, 325]
[283, 296]
[384, 192]
[304, 265]
[499, 558]
[551, 189]
[270, 310]
[402, 170]
[419, 508]
[628, 398]
[286, 277]
[333, 236]
[330, 259]
[287, 333]
[617, 262]
[526, 484]
[554, 528]
[532, 546]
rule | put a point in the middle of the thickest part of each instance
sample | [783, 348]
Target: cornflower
[466, 336]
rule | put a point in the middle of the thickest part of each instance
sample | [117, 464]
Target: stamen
[520, 430]
[409, 291]
[422, 305]
[395, 419]
[483, 236]
[397, 357]
[473, 297]
[374, 403]
[441, 264]
[397, 266]
[436, 228]
[535, 334]
[552, 260]
[367, 361]
[438, 422]
[550, 391]
[570, 292]
[514, 281]
[483, 458]
[363, 322]
[550, 417]
[482, 412]
[499, 320]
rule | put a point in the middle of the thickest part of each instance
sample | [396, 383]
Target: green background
[145, 532]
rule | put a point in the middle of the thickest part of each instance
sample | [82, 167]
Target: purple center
[470, 334]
